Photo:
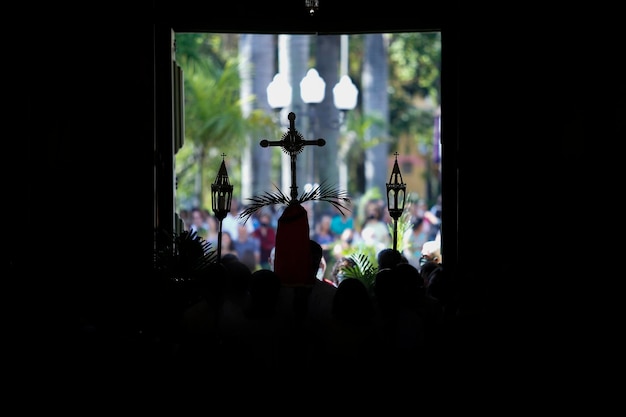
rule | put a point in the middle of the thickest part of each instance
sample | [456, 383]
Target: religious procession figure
[292, 253]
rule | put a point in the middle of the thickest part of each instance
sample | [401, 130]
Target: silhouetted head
[352, 302]
[389, 258]
[316, 255]
[264, 292]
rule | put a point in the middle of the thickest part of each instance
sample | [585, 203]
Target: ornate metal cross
[292, 144]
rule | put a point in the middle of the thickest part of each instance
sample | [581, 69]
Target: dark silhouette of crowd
[232, 324]
[236, 321]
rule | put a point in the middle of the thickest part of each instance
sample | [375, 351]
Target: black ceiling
[291, 16]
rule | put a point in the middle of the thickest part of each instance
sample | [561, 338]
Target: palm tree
[215, 122]
[257, 56]
[375, 102]
[327, 53]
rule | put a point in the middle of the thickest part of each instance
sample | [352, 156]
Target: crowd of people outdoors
[339, 234]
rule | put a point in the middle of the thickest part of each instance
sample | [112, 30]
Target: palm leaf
[184, 256]
[405, 227]
[363, 268]
[264, 200]
[323, 192]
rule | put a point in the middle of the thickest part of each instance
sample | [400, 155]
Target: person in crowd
[266, 234]
[340, 222]
[344, 244]
[198, 223]
[271, 257]
[231, 222]
[346, 349]
[184, 215]
[401, 326]
[431, 251]
[263, 294]
[426, 270]
[266, 328]
[433, 216]
[429, 309]
[389, 258]
[307, 308]
[374, 230]
[305, 301]
[198, 336]
[419, 210]
[232, 321]
[321, 272]
[412, 249]
[322, 292]
[248, 247]
[250, 260]
[228, 245]
[339, 268]
[324, 236]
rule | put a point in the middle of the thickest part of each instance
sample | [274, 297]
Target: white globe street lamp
[312, 91]
[312, 87]
[279, 92]
[345, 94]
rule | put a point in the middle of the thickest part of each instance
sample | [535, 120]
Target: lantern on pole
[396, 197]
[222, 196]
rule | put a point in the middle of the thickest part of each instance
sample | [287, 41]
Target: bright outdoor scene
[373, 98]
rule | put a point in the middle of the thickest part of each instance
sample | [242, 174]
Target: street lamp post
[396, 197]
[345, 95]
[221, 196]
[279, 92]
[312, 92]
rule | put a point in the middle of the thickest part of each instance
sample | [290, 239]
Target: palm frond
[323, 192]
[264, 200]
[184, 256]
[363, 268]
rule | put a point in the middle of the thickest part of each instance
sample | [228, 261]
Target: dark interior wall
[550, 90]
[78, 169]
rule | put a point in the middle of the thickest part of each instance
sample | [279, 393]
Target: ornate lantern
[396, 197]
[222, 196]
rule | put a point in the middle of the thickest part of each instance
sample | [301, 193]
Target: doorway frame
[164, 175]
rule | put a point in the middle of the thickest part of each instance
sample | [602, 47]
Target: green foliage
[415, 58]
[205, 51]
[213, 114]
[414, 79]
[365, 256]
[364, 268]
[404, 228]
[214, 121]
